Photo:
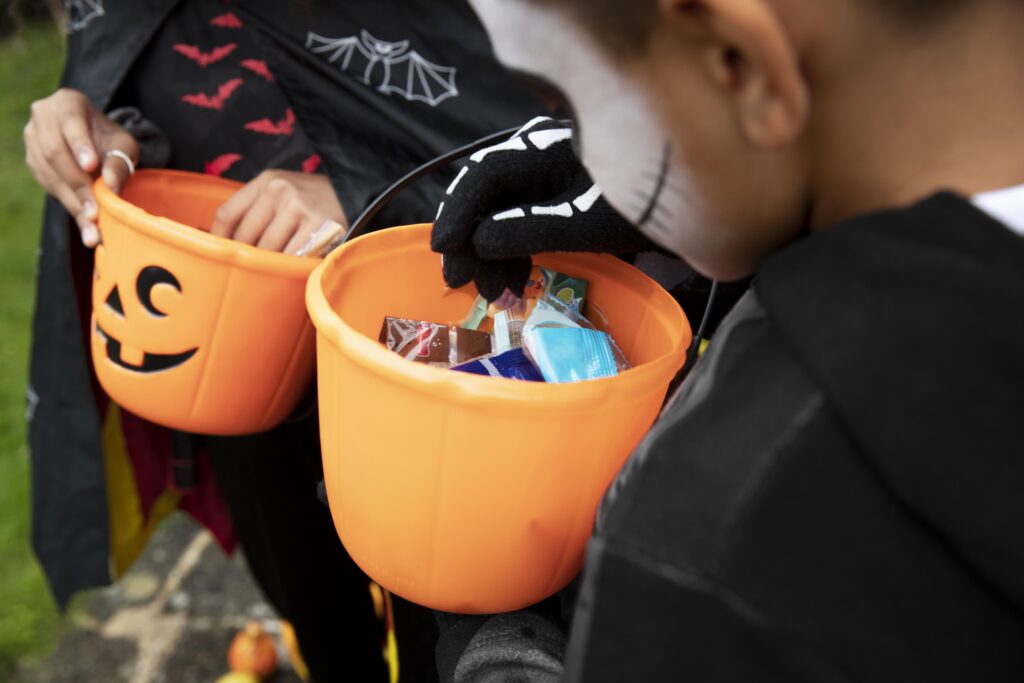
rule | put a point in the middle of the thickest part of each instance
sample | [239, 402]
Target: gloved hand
[525, 196]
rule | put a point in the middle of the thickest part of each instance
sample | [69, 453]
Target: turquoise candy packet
[566, 347]
[571, 354]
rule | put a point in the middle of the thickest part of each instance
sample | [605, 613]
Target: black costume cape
[419, 80]
[837, 494]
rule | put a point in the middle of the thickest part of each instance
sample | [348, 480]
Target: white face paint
[624, 146]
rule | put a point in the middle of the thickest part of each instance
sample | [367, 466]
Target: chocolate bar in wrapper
[441, 346]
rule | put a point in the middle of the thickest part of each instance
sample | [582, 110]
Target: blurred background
[173, 616]
[31, 58]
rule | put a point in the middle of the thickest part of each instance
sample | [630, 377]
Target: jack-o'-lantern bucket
[190, 330]
[461, 492]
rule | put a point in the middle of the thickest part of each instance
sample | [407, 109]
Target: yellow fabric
[129, 528]
[391, 643]
[391, 655]
[291, 644]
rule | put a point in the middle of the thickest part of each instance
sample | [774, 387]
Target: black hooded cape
[836, 495]
[413, 79]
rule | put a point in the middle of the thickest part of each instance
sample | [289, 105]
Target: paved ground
[169, 620]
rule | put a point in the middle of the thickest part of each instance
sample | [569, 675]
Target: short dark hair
[919, 8]
[622, 25]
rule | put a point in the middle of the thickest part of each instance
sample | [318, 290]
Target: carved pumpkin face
[152, 319]
[188, 330]
[137, 360]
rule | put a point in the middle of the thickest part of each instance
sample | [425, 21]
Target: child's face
[687, 149]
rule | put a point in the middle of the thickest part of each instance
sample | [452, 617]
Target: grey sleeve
[517, 647]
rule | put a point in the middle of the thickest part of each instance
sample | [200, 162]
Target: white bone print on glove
[527, 195]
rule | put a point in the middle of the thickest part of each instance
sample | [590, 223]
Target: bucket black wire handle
[359, 226]
[693, 353]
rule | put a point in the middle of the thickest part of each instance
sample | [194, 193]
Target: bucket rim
[194, 240]
[469, 388]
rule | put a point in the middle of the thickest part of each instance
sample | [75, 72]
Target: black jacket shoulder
[835, 495]
[913, 321]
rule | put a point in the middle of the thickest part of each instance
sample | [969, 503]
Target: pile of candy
[542, 337]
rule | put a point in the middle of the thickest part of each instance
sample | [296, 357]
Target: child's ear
[750, 58]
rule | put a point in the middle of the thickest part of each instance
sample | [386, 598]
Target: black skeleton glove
[525, 196]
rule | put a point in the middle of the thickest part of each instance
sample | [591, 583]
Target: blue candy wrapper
[571, 354]
[512, 365]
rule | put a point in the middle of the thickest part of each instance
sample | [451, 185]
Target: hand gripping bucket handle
[422, 509]
[359, 227]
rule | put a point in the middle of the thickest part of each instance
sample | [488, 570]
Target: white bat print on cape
[78, 13]
[403, 71]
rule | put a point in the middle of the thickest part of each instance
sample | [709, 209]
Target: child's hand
[68, 142]
[278, 210]
[525, 196]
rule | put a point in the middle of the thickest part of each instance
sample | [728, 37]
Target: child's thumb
[117, 166]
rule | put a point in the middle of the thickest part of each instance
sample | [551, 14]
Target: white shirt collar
[1006, 206]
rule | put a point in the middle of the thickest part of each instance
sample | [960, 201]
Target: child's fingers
[52, 162]
[256, 219]
[49, 181]
[78, 135]
[281, 229]
[116, 171]
[113, 141]
[80, 205]
[231, 212]
[88, 230]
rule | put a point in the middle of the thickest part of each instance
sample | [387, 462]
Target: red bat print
[224, 91]
[285, 126]
[258, 66]
[204, 59]
[221, 164]
[227, 20]
[311, 164]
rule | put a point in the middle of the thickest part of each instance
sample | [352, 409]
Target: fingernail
[90, 235]
[110, 178]
[89, 209]
[84, 158]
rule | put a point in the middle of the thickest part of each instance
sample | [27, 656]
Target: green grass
[30, 64]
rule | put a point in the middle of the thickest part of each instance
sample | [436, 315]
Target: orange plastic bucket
[466, 493]
[189, 330]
